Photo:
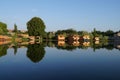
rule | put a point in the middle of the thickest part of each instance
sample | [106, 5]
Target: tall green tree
[36, 27]
[15, 28]
[3, 28]
[94, 32]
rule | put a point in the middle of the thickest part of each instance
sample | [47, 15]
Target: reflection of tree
[109, 47]
[50, 44]
[96, 46]
[102, 45]
[35, 52]
[3, 50]
[83, 47]
[15, 49]
[68, 47]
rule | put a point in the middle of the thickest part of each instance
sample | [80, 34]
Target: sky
[62, 14]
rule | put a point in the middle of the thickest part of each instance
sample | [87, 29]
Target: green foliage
[105, 38]
[50, 44]
[35, 52]
[3, 50]
[25, 39]
[14, 37]
[109, 33]
[82, 33]
[68, 47]
[50, 35]
[36, 27]
[66, 32]
[95, 32]
[15, 49]
[15, 28]
[91, 36]
[3, 28]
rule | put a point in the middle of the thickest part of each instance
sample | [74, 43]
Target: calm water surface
[50, 63]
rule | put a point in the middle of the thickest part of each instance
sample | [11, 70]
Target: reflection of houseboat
[97, 42]
[32, 38]
[118, 46]
[61, 37]
[61, 43]
[86, 43]
[4, 42]
[76, 43]
[31, 42]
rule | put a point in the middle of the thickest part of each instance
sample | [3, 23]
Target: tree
[66, 32]
[3, 28]
[50, 35]
[94, 32]
[82, 33]
[36, 27]
[15, 28]
[109, 33]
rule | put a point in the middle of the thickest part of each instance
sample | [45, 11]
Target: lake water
[44, 62]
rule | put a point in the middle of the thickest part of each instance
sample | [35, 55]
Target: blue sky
[63, 14]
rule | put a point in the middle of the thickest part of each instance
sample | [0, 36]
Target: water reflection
[36, 52]
[72, 45]
[3, 50]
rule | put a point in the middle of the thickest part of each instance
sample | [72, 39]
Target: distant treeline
[36, 27]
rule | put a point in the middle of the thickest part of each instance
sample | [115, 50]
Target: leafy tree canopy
[3, 28]
[67, 31]
[109, 33]
[36, 27]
